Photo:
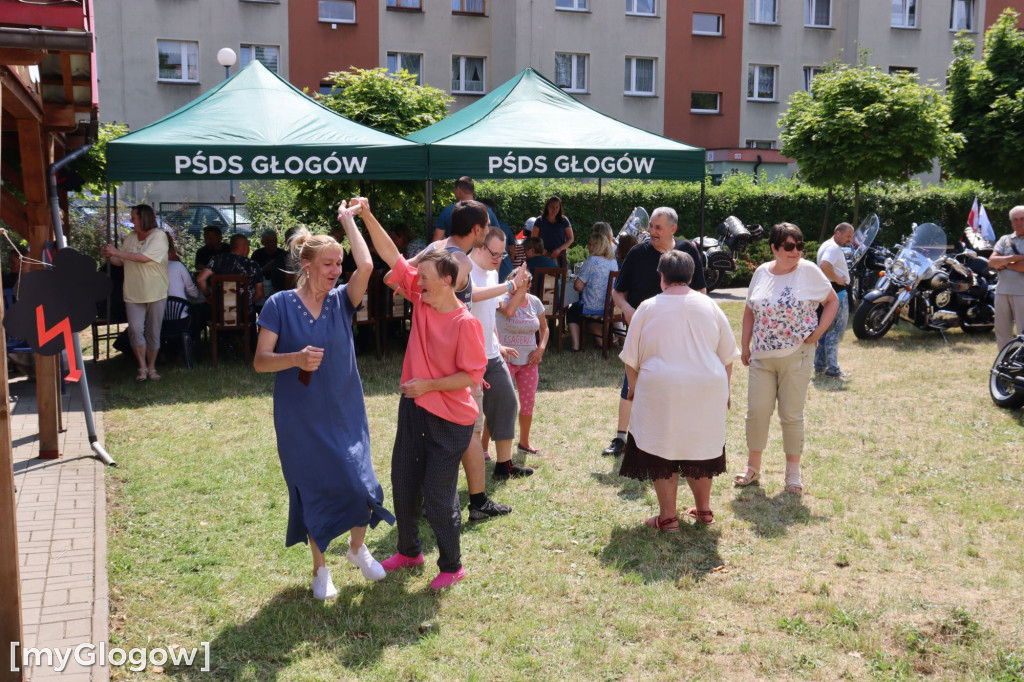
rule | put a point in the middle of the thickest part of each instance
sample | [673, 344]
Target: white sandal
[750, 475]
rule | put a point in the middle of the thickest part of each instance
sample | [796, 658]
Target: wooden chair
[369, 314]
[397, 308]
[613, 317]
[177, 324]
[229, 310]
[549, 287]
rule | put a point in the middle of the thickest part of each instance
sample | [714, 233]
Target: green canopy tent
[528, 127]
[256, 125]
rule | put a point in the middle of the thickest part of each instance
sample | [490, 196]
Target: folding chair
[549, 287]
[230, 310]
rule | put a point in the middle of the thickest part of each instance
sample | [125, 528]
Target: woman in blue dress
[323, 438]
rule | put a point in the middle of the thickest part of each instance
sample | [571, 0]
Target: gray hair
[668, 212]
[842, 228]
[676, 267]
[1016, 209]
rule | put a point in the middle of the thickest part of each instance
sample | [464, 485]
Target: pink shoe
[444, 580]
[397, 561]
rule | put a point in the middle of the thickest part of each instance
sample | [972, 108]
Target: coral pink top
[440, 345]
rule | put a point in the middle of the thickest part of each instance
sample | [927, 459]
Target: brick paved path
[62, 540]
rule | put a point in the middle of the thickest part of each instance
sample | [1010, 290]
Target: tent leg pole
[702, 196]
[428, 193]
[599, 216]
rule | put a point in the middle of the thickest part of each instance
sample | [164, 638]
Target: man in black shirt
[235, 262]
[213, 245]
[272, 261]
[638, 281]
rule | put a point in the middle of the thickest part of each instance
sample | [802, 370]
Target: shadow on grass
[912, 339]
[771, 517]
[647, 555]
[830, 384]
[355, 628]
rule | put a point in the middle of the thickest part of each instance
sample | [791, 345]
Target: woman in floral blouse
[781, 320]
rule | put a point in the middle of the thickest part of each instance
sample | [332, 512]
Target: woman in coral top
[444, 360]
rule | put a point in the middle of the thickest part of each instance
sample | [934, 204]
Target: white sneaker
[323, 586]
[368, 566]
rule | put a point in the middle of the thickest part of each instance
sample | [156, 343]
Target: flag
[986, 225]
[972, 217]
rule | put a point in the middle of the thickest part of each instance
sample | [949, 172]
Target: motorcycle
[928, 288]
[865, 259]
[719, 256]
[1006, 380]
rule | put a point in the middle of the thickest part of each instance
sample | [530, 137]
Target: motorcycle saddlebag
[720, 260]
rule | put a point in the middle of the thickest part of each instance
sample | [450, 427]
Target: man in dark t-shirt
[213, 245]
[273, 261]
[638, 281]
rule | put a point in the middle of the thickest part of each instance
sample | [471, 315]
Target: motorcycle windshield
[926, 245]
[863, 238]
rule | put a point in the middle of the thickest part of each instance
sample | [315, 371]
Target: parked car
[192, 218]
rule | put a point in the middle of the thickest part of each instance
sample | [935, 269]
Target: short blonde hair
[306, 246]
[601, 246]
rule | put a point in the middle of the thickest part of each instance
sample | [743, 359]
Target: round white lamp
[226, 57]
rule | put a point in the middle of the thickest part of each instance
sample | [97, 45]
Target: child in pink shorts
[519, 328]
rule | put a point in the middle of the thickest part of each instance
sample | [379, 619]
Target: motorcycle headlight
[899, 270]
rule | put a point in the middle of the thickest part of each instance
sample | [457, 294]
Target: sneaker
[501, 473]
[615, 448]
[445, 580]
[323, 586]
[487, 510]
[398, 560]
[368, 566]
[838, 375]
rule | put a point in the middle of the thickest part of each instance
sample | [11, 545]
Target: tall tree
[859, 124]
[987, 105]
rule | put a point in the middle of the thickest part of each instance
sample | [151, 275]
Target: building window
[809, 73]
[468, 6]
[407, 61]
[639, 76]
[405, 4]
[902, 69]
[763, 12]
[707, 24]
[904, 14]
[644, 8]
[961, 15]
[761, 83]
[468, 75]
[267, 55]
[760, 144]
[705, 102]
[326, 87]
[572, 5]
[337, 11]
[571, 71]
[178, 61]
[818, 13]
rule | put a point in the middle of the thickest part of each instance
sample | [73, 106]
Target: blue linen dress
[323, 438]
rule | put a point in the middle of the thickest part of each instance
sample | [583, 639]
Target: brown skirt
[643, 466]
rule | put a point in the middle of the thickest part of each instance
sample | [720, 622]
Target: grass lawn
[903, 559]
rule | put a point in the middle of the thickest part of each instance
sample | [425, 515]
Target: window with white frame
[267, 55]
[405, 4]
[961, 15]
[640, 76]
[760, 144]
[809, 73]
[177, 61]
[904, 14]
[761, 82]
[818, 13]
[571, 71]
[644, 8]
[468, 6]
[407, 61]
[705, 102]
[707, 24]
[572, 5]
[337, 11]
[902, 69]
[468, 76]
[764, 12]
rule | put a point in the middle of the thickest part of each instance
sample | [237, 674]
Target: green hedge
[897, 206]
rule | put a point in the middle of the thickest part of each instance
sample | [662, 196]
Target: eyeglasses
[791, 246]
[495, 256]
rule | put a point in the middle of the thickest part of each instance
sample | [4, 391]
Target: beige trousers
[1009, 309]
[784, 381]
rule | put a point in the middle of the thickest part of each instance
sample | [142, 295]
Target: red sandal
[662, 524]
[705, 517]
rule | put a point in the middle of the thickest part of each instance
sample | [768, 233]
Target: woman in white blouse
[679, 351]
[781, 321]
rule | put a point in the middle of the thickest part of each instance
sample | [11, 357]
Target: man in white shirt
[832, 262]
[1008, 258]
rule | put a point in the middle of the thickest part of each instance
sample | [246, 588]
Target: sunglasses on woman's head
[790, 246]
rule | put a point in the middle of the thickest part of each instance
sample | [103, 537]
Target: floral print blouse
[785, 308]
